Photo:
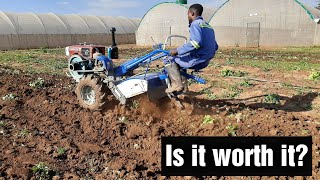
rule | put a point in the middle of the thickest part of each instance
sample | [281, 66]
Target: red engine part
[84, 50]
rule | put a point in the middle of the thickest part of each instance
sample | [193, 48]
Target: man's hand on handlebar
[174, 52]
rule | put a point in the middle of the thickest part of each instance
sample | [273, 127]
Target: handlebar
[173, 36]
[163, 46]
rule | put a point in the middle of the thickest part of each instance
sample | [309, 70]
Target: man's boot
[175, 78]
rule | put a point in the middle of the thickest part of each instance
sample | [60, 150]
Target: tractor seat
[200, 66]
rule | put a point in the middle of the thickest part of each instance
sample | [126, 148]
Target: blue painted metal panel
[134, 63]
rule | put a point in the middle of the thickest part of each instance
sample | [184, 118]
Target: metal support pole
[315, 36]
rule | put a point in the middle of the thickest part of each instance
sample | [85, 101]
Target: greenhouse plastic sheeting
[268, 23]
[31, 30]
[165, 19]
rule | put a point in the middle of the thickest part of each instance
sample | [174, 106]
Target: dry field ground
[250, 92]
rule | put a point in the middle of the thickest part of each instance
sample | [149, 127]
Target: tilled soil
[121, 141]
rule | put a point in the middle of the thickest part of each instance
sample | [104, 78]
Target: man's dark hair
[196, 8]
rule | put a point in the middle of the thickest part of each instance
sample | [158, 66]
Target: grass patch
[311, 50]
[272, 99]
[214, 65]
[233, 92]
[54, 61]
[279, 65]
[284, 59]
[246, 83]
[210, 95]
[228, 73]
[229, 61]
[44, 49]
[35, 61]
[287, 85]
[315, 75]
[302, 90]
[266, 69]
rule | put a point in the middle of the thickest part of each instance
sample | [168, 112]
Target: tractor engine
[87, 59]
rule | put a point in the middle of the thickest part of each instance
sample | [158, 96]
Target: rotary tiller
[96, 75]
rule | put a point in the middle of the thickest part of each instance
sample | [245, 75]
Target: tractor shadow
[297, 103]
[198, 106]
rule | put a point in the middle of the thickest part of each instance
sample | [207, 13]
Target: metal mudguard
[151, 83]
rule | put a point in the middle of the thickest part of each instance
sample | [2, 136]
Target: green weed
[229, 61]
[305, 132]
[287, 85]
[302, 90]
[123, 119]
[39, 83]
[266, 69]
[232, 129]
[41, 171]
[207, 119]
[135, 104]
[234, 92]
[44, 49]
[246, 83]
[210, 95]
[9, 97]
[272, 99]
[61, 151]
[315, 75]
[3, 124]
[23, 133]
[228, 73]
[215, 65]
[239, 116]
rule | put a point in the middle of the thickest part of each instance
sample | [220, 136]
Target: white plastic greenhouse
[23, 31]
[269, 23]
[165, 19]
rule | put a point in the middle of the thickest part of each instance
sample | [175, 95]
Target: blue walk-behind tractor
[97, 76]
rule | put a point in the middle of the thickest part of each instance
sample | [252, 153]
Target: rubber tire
[97, 86]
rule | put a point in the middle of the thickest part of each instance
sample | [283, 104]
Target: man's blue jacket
[202, 46]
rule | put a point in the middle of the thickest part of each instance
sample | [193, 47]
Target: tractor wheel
[90, 93]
